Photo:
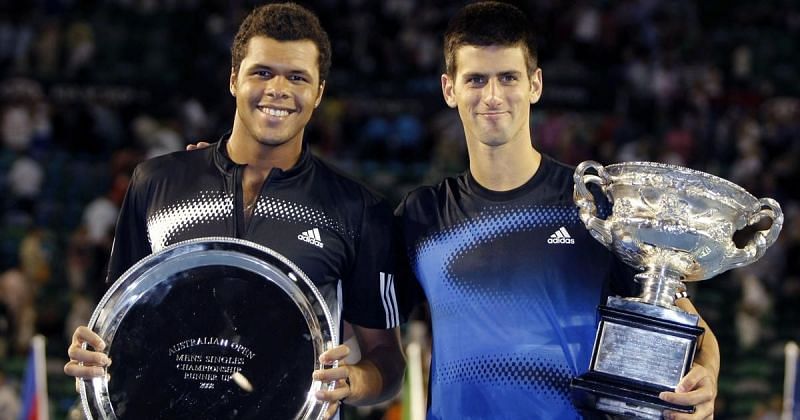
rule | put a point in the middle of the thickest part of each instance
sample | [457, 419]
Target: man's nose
[491, 93]
[278, 88]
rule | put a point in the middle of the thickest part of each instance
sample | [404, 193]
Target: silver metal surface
[638, 354]
[152, 280]
[628, 410]
[654, 311]
[675, 224]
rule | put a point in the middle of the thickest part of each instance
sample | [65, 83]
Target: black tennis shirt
[332, 227]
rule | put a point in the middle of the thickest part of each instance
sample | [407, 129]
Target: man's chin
[494, 138]
[272, 141]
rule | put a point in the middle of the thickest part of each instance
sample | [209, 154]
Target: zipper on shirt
[238, 202]
[261, 190]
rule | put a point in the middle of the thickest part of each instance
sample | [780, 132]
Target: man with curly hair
[265, 186]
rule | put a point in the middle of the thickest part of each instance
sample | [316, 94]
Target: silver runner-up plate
[212, 328]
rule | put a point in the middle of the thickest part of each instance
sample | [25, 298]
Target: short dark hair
[283, 22]
[488, 23]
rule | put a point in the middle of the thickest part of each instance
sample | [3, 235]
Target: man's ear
[319, 94]
[232, 82]
[448, 91]
[536, 85]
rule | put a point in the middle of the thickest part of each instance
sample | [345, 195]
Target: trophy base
[640, 350]
[596, 394]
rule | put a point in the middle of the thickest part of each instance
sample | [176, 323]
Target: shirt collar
[225, 164]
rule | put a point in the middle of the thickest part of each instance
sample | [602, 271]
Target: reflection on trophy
[674, 225]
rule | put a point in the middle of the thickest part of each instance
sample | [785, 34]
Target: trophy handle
[587, 210]
[763, 239]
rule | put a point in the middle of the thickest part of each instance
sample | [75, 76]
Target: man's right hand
[86, 363]
[197, 146]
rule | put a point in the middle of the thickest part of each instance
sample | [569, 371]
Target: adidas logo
[311, 236]
[561, 237]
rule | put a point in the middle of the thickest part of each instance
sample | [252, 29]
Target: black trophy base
[598, 394]
[640, 351]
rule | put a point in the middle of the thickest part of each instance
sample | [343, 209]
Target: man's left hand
[697, 388]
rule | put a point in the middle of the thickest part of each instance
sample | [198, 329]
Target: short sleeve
[369, 293]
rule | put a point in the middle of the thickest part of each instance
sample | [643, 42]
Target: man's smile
[492, 115]
[275, 112]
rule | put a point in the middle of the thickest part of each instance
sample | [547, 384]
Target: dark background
[90, 88]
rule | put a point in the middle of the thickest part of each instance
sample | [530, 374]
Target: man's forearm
[377, 377]
[708, 353]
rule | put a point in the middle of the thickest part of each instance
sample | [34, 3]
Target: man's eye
[297, 78]
[476, 80]
[509, 78]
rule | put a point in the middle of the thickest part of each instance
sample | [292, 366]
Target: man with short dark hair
[513, 313]
[262, 184]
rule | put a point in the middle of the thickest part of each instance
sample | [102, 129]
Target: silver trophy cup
[673, 225]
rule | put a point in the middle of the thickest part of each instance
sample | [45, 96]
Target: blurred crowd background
[89, 88]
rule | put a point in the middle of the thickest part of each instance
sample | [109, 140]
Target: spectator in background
[10, 404]
[17, 296]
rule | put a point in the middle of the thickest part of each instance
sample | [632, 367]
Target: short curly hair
[487, 23]
[283, 22]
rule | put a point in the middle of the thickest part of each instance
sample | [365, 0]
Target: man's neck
[503, 168]
[245, 150]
